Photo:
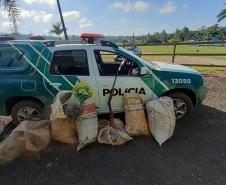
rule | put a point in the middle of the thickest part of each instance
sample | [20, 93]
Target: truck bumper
[201, 94]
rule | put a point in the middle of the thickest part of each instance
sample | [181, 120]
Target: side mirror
[144, 71]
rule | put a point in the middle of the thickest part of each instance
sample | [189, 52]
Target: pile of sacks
[82, 127]
[161, 117]
[77, 123]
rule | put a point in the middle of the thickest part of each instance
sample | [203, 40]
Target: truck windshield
[151, 64]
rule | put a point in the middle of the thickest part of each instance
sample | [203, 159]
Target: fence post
[174, 51]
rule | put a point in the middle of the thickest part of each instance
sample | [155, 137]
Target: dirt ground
[187, 60]
[195, 155]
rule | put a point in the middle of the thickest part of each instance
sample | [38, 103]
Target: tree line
[180, 35]
[213, 33]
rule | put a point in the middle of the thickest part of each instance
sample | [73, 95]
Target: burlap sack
[65, 105]
[28, 136]
[12, 147]
[118, 124]
[64, 130]
[36, 133]
[136, 123]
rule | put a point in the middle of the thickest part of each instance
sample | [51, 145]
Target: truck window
[11, 60]
[70, 62]
[108, 64]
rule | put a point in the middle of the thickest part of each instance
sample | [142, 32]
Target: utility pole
[62, 20]
[133, 41]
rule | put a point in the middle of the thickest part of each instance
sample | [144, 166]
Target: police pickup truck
[31, 74]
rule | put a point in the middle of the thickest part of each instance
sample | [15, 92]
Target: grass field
[187, 49]
[221, 70]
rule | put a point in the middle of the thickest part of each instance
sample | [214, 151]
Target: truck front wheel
[183, 105]
[25, 110]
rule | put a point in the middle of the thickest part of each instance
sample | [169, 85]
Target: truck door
[128, 81]
[72, 65]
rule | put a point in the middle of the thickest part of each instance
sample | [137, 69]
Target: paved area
[195, 155]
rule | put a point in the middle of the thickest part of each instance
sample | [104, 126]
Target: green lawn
[211, 69]
[186, 49]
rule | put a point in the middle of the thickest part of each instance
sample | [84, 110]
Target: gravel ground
[195, 155]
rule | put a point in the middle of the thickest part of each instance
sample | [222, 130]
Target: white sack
[87, 127]
[161, 118]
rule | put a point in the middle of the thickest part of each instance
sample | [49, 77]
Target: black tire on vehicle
[186, 103]
[28, 108]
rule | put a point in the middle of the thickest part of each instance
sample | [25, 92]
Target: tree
[178, 35]
[186, 33]
[163, 36]
[221, 15]
[56, 29]
[13, 12]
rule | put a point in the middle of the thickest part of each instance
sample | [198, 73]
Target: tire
[28, 108]
[179, 98]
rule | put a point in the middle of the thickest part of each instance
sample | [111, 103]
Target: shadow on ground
[195, 155]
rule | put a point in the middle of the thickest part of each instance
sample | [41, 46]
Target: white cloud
[141, 6]
[6, 24]
[169, 7]
[126, 7]
[76, 17]
[84, 23]
[71, 15]
[50, 3]
[37, 16]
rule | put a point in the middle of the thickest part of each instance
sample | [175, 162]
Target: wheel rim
[180, 108]
[26, 113]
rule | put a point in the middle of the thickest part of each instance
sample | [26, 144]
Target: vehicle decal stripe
[25, 57]
[40, 54]
[164, 85]
[41, 61]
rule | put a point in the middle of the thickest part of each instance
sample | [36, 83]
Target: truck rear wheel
[183, 105]
[25, 110]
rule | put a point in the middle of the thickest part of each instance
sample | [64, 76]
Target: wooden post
[174, 51]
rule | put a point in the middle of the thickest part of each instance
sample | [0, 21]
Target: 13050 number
[181, 80]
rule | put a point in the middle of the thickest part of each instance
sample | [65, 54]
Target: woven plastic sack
[65, 105]
[136, 123]
[64, 130]
[87, 127]
[112, 136]
[161, 118]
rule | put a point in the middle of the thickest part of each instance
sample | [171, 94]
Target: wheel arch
[14, 100]
[191, 94]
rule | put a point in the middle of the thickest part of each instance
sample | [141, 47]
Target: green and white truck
[31, 74]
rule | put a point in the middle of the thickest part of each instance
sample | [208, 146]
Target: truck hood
[171, 67]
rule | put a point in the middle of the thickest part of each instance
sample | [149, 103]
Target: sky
[114, 17]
